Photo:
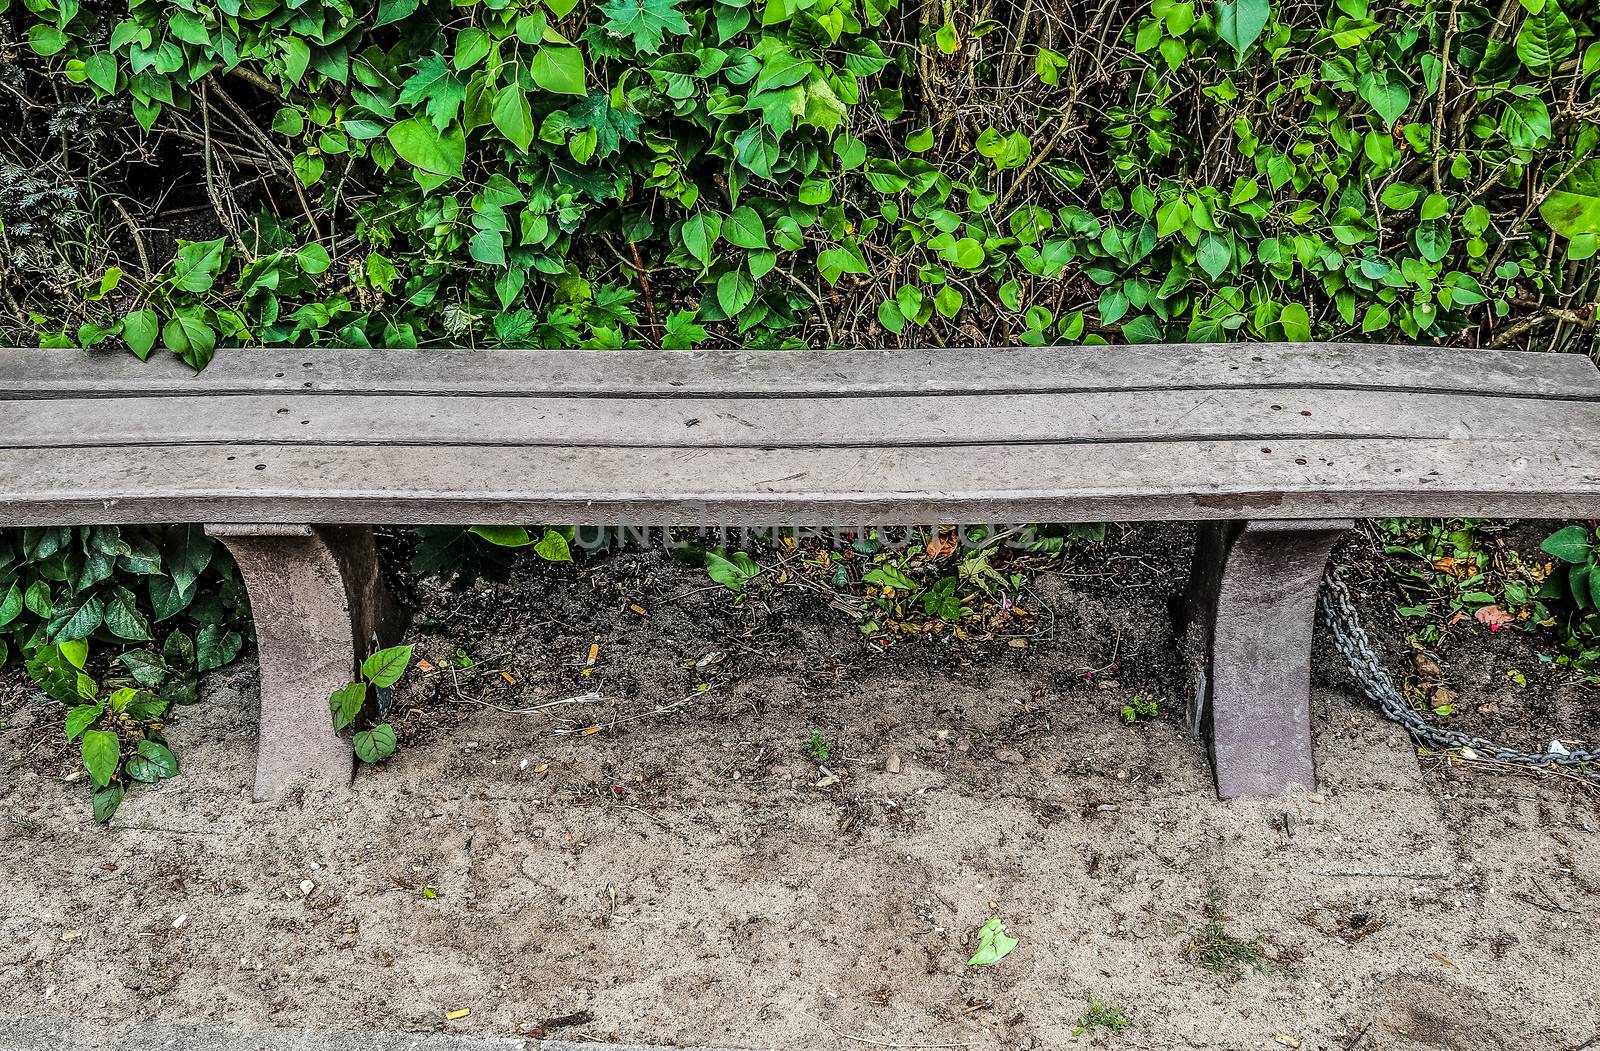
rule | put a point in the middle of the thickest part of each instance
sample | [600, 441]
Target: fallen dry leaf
[941, 546]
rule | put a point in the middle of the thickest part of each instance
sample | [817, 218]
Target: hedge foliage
[773, 172]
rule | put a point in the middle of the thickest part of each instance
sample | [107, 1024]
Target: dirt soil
[686, 874]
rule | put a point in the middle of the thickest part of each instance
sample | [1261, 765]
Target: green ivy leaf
[1574, 209]
[77, 619]
[1296, 323]
[1388, 92]
[215, 646]
[197, 264]
[1239, 22]
[101, 68]
[1142, 329]
[390, 11]
[139, 330]
[188, 335]
[186, 552]
[296, 57]
[46, 40]
[1214, 255]
[966, 253]
[645, 22]
[731, 571]
[419, 143]
[152, 762]
[1526, 122]
[123, 618]
[11, 605]
[1546, 37]
[1433, 240]
[553, 547]
[1400, 195]
[313, 258]
[891, 317]
[503, 536]
[513, 116]
[735, 290]
[700, 232]
[744, 228]
[682, 332]
[559, 68]
[106, 802]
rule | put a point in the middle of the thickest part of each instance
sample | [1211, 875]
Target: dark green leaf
[346, 703]
[1569, 545]
[1239, 22]
[106, 801]
[80, 718]
[385, 667]
[376, 744]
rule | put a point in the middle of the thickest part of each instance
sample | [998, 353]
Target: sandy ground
[687, 876]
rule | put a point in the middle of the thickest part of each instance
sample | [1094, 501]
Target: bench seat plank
[1115, 416]
[974, 483]
[56, 373]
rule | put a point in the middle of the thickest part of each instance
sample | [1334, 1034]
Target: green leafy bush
[675, 172]
[166, 602]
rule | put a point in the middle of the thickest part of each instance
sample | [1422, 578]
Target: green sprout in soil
[1101, 1015]
[1214, 949]
[817, 747]
[1141, 707]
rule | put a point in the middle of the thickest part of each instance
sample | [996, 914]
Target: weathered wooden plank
[797, 423]
[736, 486]
[56, 373]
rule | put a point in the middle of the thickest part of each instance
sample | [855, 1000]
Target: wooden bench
[288, 457]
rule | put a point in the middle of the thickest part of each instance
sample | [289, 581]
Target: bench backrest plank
[48, 373]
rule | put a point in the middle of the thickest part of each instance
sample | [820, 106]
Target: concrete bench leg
[1253, 601]
[319, 608]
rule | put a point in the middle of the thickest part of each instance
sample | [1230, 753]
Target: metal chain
[1339, 614]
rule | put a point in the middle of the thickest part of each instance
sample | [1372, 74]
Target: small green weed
[1141, 707]
[817, 747]
[1220, 952]
[381, 670]
[1101, 1015]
